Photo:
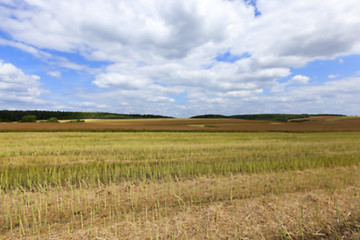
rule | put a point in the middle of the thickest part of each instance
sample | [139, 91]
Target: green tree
[28, 118]
[53, 119]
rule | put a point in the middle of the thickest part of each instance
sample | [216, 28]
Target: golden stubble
[310, 204]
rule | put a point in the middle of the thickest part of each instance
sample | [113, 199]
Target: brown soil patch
[342, 124]
[314, 118]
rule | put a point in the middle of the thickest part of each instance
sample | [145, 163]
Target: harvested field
[179, 185]
[229, 125]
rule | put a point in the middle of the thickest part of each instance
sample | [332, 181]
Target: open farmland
[312, 124]
[179, 185]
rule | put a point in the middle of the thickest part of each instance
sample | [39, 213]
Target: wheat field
[179, 185]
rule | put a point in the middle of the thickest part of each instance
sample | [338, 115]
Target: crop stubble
[182, 185]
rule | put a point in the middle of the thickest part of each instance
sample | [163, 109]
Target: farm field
[180, 185]
[312, 124]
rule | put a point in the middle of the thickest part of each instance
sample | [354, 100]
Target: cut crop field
[179, 185]
[311, 124]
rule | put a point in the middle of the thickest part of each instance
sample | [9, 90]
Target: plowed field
[312, 124]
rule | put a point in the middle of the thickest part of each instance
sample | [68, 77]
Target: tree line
[33, 115]
[268, 117]
[18, 115]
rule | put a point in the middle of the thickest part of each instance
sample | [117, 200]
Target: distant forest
[269, 117]
[17, 115]
[14, 116]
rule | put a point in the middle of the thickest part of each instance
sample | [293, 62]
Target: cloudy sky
[181, 58]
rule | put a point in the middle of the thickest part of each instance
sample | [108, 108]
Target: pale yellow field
[179, 185]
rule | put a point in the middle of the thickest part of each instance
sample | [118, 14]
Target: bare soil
[316, 124]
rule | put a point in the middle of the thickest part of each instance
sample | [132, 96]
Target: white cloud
[17, 87]
[29, 49]
[159, 49]
[56, 74]
[299, 79]
[337, 96]
[89, 105]
[45, 56]
[333, 76]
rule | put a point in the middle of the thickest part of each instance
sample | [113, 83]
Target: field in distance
[180, 185]
[314, 123]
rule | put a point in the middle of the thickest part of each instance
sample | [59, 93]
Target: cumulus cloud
[299, 79]
[332, 97]
[16, 86]
[157, 50]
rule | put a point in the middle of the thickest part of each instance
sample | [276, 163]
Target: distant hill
[210, 116]
[17, 115]
[269, 117]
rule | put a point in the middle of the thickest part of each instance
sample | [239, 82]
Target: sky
[181, 58]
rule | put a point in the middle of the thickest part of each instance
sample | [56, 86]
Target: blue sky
[180, 58]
